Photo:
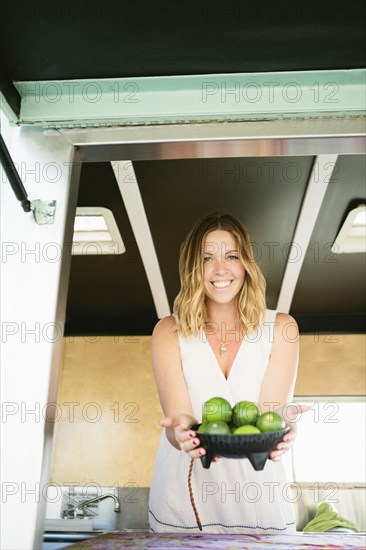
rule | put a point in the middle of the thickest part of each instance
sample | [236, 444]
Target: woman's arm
[279, 380]
[172, 389]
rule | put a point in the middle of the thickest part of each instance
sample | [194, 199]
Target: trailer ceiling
[45, 40]
[42, 40]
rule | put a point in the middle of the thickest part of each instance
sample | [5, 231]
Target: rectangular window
[330, 445]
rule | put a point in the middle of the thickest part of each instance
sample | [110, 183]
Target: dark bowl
[254, 447]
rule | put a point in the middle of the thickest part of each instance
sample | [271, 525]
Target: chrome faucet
[97, 499]
[77, 510]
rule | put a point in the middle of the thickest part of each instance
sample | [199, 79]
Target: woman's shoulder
[279, 317]
[164, 327]
[285, 328]
[280, 325]
[164, 337]
[285, 319]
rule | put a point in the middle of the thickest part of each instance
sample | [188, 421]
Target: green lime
[270, 422]
[219, 427]
[215, 409]
[231, 425]
[202, 427]
[247, 429]
[245, 412]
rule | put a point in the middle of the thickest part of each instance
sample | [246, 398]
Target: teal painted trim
[202, 98]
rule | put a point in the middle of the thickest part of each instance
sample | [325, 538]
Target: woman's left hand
[293, 414]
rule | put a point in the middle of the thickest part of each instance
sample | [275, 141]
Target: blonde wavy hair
[189, 305]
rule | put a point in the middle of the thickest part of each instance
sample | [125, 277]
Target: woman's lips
[221, 284]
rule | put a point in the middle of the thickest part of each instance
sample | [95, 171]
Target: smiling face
[223, 270]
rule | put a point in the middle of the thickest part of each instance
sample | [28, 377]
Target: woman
[221, 341]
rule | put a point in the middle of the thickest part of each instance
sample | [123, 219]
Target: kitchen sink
[62, 539]
[53, 540]
[60, 533]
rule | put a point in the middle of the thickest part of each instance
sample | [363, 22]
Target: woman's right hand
[182, 435]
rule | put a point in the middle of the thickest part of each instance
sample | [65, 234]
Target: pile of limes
[244, 418]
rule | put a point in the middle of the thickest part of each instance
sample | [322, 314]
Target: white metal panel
[34, 281]
[126, 179]
[320, 175]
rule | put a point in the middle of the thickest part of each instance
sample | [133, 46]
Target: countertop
[145, 540]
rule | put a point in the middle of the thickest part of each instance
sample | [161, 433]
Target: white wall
[34, 277]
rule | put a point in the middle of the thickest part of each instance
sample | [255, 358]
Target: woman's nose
[220, 266]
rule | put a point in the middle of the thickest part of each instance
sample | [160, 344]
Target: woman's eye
[233, 257]
[206, 258]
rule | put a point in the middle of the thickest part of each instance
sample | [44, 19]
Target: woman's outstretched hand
[182, 437]
[292, 416]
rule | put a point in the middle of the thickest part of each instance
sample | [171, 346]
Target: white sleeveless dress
[230, 496]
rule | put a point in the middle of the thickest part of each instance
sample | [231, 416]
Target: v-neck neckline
[226, 378]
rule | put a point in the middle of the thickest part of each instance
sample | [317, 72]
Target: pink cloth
[175, 541]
